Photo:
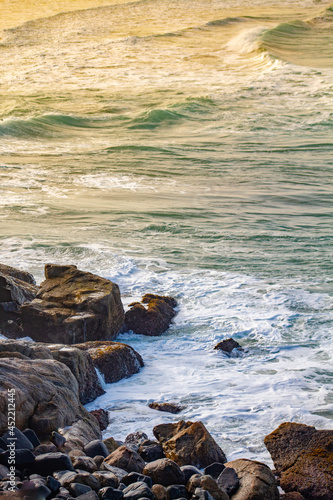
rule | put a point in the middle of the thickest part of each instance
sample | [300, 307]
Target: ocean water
[183, 148]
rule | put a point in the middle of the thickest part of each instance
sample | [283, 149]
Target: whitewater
[185, 149]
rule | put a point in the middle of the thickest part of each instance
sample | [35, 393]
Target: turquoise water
[185, 148]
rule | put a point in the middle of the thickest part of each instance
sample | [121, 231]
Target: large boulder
[257, 481]
[303, 458]
[126, 459]
[79, 362]
[165, 472]
[113, 359]
[46, 395]
[189, 443]
[23, 349]
[153, 320]
[81, 365]
[73, 306]
[16, 288]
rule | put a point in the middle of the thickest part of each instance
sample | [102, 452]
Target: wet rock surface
[167, 407]
[113, 359]
[152, 320]
[73, 306]
[228, 345]
[189, 443]
[303, 458]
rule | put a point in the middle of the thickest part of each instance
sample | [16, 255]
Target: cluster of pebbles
[47, 471]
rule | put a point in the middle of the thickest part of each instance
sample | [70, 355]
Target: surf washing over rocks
[183, 148]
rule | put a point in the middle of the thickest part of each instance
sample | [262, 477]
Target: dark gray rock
[138, 490]
[49, 463]
[32, 436]
[228, 481]
[214, 470]
[109, 493]
[177, 491]
[57, 439]
[52, 484]
[134, 440]
[4, 472]
[107, 479]
[21, 441]
[134, 477]
[77, 489]
[23, 458]
[90, 495]
[189, 471]
[150, 451]
[165, 472]
[96, 447]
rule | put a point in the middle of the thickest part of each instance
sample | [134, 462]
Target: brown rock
[17, 274]
[165, 472]
[26, 350]
[107, 479]
[102, 417]
[257, 482]
[206, 483]
[167, 407]
[82, 432]
[160, 492]
[46, 395]
[126, 459]
[111, 444]
[81, 365]
[228, 345]
[16, 288]
[73, 306]
[84, 463]
[189, 443]
[303, 458]
[153, 320]
[113, 359]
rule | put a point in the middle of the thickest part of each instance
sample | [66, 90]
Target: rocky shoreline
[54, 447]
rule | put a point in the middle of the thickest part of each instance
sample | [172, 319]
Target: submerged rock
[153, 320]
[73, 306]
[228, 345]
[303, 458]
[189, 443]
[113, 359]
[167, 407]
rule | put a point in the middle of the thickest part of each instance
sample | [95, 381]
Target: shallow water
[183, 148]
